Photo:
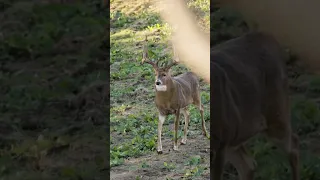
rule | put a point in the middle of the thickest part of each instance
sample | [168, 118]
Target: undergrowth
[54, 99]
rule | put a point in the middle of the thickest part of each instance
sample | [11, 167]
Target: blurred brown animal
[250, 96]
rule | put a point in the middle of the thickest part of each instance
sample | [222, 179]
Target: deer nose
[158, 83]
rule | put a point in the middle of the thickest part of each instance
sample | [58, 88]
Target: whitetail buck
[173, 95]
[249, 96]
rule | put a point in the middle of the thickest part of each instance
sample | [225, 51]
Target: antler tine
[145, 58]
[171, 64]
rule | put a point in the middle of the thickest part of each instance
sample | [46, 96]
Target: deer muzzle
[160, 86]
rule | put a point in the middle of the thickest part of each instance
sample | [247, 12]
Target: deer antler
[175, 58]
[145, 58]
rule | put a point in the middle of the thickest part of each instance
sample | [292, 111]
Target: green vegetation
[53, 91]
[305, 112]
[134, 118]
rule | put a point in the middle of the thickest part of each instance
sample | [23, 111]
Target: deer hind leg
[242, 161]
[203, 123]
[280, 131]
[294, 156]
[289, 143]
[186, 115]
[218, 163]
[197, 102]
[176, 128]
[160, 124]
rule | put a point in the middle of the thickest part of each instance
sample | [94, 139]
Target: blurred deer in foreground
[249, 93]
[249, 96]
[173, 95]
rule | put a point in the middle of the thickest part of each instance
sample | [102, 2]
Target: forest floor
[53, 101]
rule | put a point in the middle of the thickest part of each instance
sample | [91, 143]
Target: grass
[54, 101]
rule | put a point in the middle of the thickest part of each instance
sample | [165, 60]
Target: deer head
[162, 74]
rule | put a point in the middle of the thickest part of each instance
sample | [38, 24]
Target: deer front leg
[218, 163]
[186, 115]
[294, 156]
[160, 123]
[244, 163]
[204, 130]
[176, 128]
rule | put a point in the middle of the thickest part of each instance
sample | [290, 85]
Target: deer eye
[164, 75]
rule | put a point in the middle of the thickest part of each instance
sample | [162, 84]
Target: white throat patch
[161, 87]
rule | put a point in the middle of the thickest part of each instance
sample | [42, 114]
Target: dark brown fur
[250, 96]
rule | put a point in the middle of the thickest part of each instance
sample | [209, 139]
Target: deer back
[245, 70]
[188, 88]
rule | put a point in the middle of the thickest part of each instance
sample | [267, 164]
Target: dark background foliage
[53, 90]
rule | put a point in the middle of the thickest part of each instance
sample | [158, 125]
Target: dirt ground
[197, 145]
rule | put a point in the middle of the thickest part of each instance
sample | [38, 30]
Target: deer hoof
[175, 148]
[206, 135]
[183, 141]
[159, 150]
[255, 164]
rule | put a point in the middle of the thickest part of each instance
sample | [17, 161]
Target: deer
[173, 95]
[249, 97]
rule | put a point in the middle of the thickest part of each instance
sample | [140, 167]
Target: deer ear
[168, 70]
